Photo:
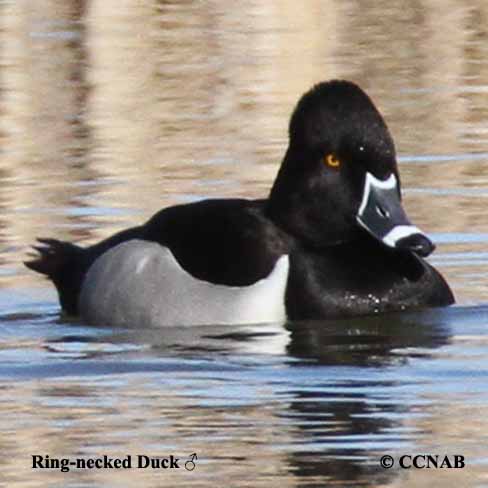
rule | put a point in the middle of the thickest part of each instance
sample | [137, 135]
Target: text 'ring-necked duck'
[331, 240]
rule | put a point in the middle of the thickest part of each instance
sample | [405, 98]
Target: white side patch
[399, 232]
[139, 283]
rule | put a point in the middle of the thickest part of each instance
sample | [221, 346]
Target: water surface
[112, 110]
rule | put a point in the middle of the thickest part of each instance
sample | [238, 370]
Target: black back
[336, 269]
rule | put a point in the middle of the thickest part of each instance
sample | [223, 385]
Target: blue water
[110, 111]
[306, 397]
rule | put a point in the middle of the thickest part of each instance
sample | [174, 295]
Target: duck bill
[382, 215]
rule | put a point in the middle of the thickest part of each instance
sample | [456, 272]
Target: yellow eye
[332, 161]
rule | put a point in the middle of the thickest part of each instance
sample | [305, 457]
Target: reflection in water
[110, 110]
[45, 96]
[352, 418]
[368, 341]
[332, 395]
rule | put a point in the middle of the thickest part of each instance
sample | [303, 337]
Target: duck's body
[142, 272]
[331, 240]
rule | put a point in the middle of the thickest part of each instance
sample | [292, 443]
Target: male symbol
[190, 464]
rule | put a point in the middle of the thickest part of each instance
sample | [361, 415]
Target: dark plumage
[334, 208]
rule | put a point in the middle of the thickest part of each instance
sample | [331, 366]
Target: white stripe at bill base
[400, 232]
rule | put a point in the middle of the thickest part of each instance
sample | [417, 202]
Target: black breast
[361, 277]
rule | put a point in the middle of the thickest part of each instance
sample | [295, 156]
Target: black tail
[51, 258]
[63, 263]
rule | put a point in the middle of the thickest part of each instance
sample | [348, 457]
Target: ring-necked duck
[331, 240]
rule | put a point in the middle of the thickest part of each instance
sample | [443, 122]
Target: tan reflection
[188, 94]
[44, 95]
[447, 424]
[134, 416]
[111, 110]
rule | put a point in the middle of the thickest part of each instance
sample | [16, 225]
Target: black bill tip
[418, 243]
